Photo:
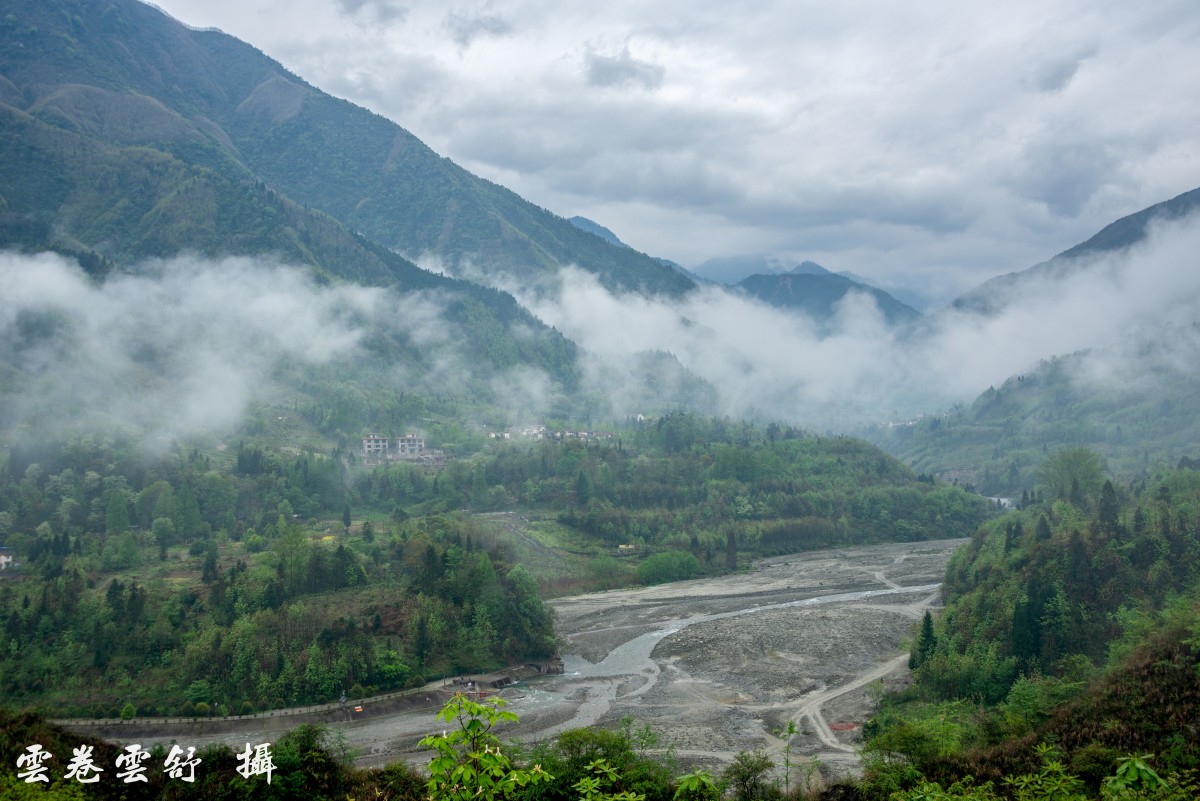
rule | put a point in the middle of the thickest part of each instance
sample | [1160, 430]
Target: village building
[409, 446]
[378, 449]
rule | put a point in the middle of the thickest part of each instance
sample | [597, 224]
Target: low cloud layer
[187, 346]
[1127, 307]
[182, 347]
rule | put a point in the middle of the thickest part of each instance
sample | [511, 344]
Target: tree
[1108, 511]
[470, 764]
[926, 643]
[583, 489]
[116, 513]
[346, 516]
[748, 777]
[1073, 474]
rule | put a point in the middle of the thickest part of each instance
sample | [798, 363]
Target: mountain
[902, 294]
[818, 293]
[124, 137]
[1133, 400]
[731, 269]
[996, 293]
[584, 224]
[129, 134]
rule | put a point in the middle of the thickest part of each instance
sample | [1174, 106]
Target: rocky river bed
[714, 666]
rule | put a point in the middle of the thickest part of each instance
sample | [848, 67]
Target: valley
[713, 666]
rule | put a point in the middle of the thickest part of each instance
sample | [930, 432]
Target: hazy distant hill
[584, 224]
[213, 121]
[996, 443]
[1145, 412]
[995, 294]
[731, 269]
[817, 294]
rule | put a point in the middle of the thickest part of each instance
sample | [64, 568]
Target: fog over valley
[185, 344]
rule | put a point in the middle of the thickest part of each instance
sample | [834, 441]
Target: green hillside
[255, 575]
[1071, 623]
[123, 75]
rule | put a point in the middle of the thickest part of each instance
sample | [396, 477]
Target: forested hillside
[1072, 622]
[198, 578]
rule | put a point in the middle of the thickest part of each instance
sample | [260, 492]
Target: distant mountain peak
[592, 227]
[807, 267]
[818, 294]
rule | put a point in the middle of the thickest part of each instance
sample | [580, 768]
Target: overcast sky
[931, 144]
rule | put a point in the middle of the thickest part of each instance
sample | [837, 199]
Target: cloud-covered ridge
[181, 347]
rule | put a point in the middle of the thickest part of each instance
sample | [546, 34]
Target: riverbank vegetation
[1068, 643]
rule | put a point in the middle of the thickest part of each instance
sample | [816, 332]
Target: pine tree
[926, 643]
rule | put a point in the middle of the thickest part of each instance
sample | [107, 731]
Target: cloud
[384, 11]
[1054, 72]
[189, 346]
[764, 362]
[621, 70]
[464, 28]
[181, 347]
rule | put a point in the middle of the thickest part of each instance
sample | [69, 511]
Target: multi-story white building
[409, 446]
[376, 448]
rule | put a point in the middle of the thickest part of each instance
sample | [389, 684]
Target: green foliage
[282, 617]
[1134, 777]
[963, 790]
[699, 785]
[603, 785]
[663, 567]
[999, 441]
[748, 777]
[469, 762]
[1072, 474]
[1050, 783]
[571, 756]
[1077, 627]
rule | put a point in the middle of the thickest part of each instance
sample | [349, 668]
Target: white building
[376, 448]
[409, 446]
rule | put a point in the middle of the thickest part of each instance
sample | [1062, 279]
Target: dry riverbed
[714, 666]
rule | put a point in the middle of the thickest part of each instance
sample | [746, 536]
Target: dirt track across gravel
[714, 666]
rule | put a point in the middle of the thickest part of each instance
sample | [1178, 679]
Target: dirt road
[714, 666]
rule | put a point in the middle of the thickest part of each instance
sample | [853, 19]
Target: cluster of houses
[378, 449]
[540, 432]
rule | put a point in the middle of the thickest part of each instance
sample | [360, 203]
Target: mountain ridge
[225, 105]
[994, 294]
[818, 294]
